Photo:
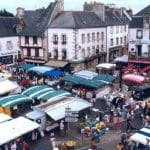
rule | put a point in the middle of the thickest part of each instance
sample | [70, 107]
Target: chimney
[20, 12]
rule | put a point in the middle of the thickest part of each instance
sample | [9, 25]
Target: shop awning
[53, 73]
[26, 66]
[123, 59]
[57, 111]
[56, 63]
[40, 69]
[36, 90]
[141, 136]
[133, 78]
[14, 100]
[106, 66]
[10, 130]
[83, 82]
[52, 95]
[7, 86]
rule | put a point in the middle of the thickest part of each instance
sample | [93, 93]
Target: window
[64, 39]
[139, 34]
[121, 40]
[97, 49]
[83, 38]
[28, 52]
[9, 45]
[102, 47]
[111, 30]
[26, 39]
[125, 40]
[88, 38]
[93, 37]
[56, 53]
[121, 29]
[125, 28]
[64, 54]
[0, 47]
[88, 51]
[83, 52]
[36, 52]
[117, 29]
[93, 49]
[111, 42]
[34, 40]
[98, 37]
[102, 36]
[55, 39]
[117, 41]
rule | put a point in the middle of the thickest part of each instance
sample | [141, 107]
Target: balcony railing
[135, 56]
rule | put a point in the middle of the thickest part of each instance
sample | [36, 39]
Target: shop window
[55, 53]
[6, 59]
[83, 38]
[28, 52]
[9, 45]
[26, 39]
[139, 34]
[55, 39]
[64, 54]
[34, 40]
[88, 37]
[64, 39]
[36, 52]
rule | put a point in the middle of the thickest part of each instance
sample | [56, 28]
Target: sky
[11, 5]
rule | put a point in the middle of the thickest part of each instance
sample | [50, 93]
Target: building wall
[113, 32]
[74, 45]
[9, 46]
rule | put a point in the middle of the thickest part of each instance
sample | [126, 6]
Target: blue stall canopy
[54, 73]
[26, 67]
[41, 69]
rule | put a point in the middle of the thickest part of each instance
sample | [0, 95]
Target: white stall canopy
[57, 111]
[106, 66]
[141, 136]
[7, 86]
[15, 128]
[4, 117]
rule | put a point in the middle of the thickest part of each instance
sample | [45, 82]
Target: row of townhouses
[80, 39]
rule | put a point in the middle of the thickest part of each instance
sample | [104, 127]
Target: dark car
[141, 92]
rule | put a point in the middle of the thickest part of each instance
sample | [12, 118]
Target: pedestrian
[118, 125]
[129, 124]
[62, 128]
[25, 145]
[13, 145]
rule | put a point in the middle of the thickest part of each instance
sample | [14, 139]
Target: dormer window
[9, 45]
[26, 39]
[34, 40]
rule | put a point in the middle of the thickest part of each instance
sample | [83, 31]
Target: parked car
[141, 93]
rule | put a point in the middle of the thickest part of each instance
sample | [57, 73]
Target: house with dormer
[9, 40]
[139, 38]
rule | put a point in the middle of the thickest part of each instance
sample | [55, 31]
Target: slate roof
[37, 21]
[143, 11]
[76, 20]
[8, 26]
[137, 22]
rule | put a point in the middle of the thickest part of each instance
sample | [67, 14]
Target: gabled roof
[112, 18]
[143, 11]
[77, 20]
[8, 26]
[137, 22]
[37, 21]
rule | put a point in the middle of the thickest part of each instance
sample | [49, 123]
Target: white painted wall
[4, 51]
[74, 38]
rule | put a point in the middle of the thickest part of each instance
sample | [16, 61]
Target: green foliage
[5, 13]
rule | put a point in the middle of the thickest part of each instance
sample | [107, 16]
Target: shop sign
[71, 116]
[6, 53]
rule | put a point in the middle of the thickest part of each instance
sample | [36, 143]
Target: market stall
[10, 130]
[7, 86]
[4, 118]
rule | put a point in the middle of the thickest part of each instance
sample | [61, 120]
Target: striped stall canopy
[52, 96]
[14, 100]
[142, 136]
[34, 91]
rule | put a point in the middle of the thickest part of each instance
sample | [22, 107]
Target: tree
[5, 13]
